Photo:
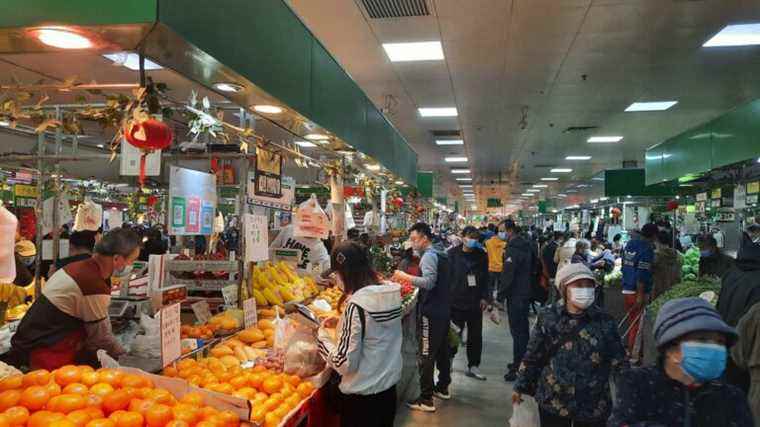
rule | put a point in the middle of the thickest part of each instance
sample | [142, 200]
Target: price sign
[249, 312]
[201, 311]
[171, 348]
[230, 295]
[256, 232]
[753, 187]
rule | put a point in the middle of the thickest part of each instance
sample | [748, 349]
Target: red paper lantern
[616, 212]
[672, 205]
[148, 135]
[152, 200]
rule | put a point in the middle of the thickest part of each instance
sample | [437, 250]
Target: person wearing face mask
[495, 247]
[685, 387]
[367, 351]
[69, 322]
[574, 350]
[740, 290]
[26, 253]
[712, 261]
[470, 296]
[549, 265]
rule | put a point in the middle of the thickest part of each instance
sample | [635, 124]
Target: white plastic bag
[310, 220]
[8, 224]
[525, 414]
[149, 345]
[89, 216]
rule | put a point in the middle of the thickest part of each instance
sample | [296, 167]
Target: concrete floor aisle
[473, 402]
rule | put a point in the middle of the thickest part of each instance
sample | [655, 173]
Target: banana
[287, 295]
[260, 298]
[272, 297]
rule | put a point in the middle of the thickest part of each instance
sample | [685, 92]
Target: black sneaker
[511, 376]
[420, 404]
[442, 393]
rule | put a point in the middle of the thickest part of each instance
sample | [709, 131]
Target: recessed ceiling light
[317, 137]
[540, 186]
[578, 158]
[465, 185]
[464, 179]
[604, 139]
[455, 159]
[305, 144]
[527, 194]
[551, 178]
[449, 142]
[373, 167]
[228, 87]
[268, 109]
[62, 38]
[438, 112]
[100, 146]
[131, 61]
[460, 171]
[736, 35]
[561, 170]
[533, 190]
[650, 106]
[414, 51]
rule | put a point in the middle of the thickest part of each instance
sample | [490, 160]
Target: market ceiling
[524, 75]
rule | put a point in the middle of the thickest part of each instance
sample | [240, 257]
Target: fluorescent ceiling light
[540, 186]
[438, 112]
[578, 158]
[650, 106]
[604, 139]
[449, 142]
[414, 51]
[100, 146]
[373, 167]
[460, 171]
[527, 194]
[4, 123]
[736, 35]
[561, 170]
[131, 60]
[465, 185]
[305, 144]
[533, 190]
[455, 159]
[551, 178]
[561, 195]
[228, 87]
[62, 38]
[268, 109]
[317, 137]
[464, 179]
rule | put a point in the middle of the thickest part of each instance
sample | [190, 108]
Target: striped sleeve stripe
[323, 350]
[345, 336]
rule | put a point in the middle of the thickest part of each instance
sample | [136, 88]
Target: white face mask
[582, 297]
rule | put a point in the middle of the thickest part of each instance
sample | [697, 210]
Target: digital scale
[126, 306]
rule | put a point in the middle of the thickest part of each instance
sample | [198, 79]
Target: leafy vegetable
[690, 287]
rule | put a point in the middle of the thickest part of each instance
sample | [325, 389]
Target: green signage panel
[631, 182]
[493, 203]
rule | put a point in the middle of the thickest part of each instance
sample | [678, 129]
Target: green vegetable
[690, 287]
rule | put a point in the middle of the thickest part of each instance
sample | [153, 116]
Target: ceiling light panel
[578, 158]
[550, 178]
[460, 171]
[414, 51]
[438, 112]
[736, 35]
[561, 170]
[540, 186]
[650, 106]
[131, 61]
[62, 38]
[464, 179]
[449, 142]
[455, 159]
[604, 139]
[533, 190]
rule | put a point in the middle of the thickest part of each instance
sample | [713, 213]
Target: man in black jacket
[516, 288]
[740, 290]
[470, 294]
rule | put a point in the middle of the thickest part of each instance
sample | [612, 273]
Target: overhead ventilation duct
[384, 9]
[447, 133]
[579, 129]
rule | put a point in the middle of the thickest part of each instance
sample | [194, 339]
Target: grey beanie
[681, 316]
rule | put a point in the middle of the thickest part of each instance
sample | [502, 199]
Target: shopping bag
[89, 216]
[310, 220]
[525, 413]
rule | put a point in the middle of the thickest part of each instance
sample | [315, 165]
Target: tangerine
[95, 413]
[62, 422]
[160, 395]
[116, 400]
[193, 398]
[67, 374]
[132, 380]
[80, 417]
[177, 423]
[293, 380]
[53, 388]
[43, 418]
[89, 378]
[12, 382]
[271, 420]
[100, 422]
[158, 415]
[9, 398]
[258, 414]
[76, 388]
[205, 423]
[140, 405]
[109, 376]
[305, 389]
[34, 398]
[271, 385]
[94, 401]
[36, 377]
[130, 419]
[17, 415]
[101, 389]
[66, 403]
[185, 412]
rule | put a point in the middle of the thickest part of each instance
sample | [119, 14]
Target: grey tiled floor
[473, 403]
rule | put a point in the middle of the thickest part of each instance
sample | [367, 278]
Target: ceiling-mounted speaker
[384, 9]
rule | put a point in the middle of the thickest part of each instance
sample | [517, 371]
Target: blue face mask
[471, 243]
[503, 235]
[705, 253]
[703, 361]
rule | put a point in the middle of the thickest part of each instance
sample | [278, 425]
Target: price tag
[171, 348]
[471, 282]
[249, 312]
[201, 311]
[230, 295]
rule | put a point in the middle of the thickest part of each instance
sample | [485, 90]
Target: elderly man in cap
[574, 349]
[685, 388]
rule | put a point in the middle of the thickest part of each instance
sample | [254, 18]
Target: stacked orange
[272, 395]
[79, 396]
[199, 332]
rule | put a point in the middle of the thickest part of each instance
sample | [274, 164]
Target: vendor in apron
[69, 321]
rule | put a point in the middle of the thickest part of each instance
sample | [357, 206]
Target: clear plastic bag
[525, 414]
[302, 358]
[148, 345]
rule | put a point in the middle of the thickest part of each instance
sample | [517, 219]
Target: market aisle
[473, 402]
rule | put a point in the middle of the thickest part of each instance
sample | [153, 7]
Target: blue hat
[682, 316]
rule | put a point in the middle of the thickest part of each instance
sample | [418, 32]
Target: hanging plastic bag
[8, 225]
[350, 223]
[525, 413]
[311, 221]
[149, 345]
[89, 216]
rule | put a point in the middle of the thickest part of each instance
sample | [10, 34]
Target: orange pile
[199, 332]
[79, 396]
[272, 395]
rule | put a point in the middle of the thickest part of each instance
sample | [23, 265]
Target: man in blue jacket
[638, 256]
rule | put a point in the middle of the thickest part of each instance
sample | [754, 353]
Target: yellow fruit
[260, 298]
[251, 335]
[272, 297]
